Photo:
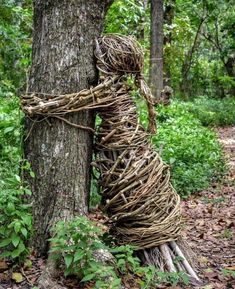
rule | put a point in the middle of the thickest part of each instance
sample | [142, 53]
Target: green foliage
[124, 17]
[173, 278]
[228, 272]
[15, 43]
[10, 136]
[15, 219]
[76, 243]
[192, 151]
[213, 112]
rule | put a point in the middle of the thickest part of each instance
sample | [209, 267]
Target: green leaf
[68, 259]
[17, 178]
[16, 253]
[8, 129]
[24, 232]
[15, 240]
[116, 282]
[5, 242]
[88, 277]
[32, 174]
[17, 226]
[78, 255]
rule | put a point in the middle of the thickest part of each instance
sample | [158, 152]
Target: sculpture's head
[119, 54]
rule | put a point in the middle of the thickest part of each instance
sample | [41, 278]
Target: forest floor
[210, 231]
[211, 223]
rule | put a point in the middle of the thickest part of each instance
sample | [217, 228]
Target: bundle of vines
[135, 183]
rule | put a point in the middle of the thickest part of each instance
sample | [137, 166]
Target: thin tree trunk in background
[168, 20]
[60, 155]
[156, 48]
[184, 85]
[141, 26]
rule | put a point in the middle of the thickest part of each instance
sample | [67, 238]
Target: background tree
[168, 21]
[156, 48]
[60, 154]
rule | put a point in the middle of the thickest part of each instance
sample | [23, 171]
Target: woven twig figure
[135, 184]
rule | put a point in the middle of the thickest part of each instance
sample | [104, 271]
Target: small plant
[15, 219]
[228, 273]
[172, 278]
[213, 200]
[227, 234]
[75, 243]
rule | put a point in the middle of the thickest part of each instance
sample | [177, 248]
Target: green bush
[10, 136]
[15, 217]
[75, 242]
[213, 112]
[192, 151]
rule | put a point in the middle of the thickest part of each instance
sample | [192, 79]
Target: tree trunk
[156, 48]
[186, 66]
[59, 154]
[168, 20]
[142, 22]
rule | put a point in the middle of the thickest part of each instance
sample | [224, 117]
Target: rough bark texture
[60, 155]
[168, 19]
[156, 49]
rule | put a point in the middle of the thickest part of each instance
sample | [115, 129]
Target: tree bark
[168, 19]
[59, 154]
[156, 48]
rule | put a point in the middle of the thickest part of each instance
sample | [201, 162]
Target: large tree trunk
[60, 155]
[156, 48]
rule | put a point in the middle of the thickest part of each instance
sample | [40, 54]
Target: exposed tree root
[169, 257]
[48, 278]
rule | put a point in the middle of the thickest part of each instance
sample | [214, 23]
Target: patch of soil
[211, 223]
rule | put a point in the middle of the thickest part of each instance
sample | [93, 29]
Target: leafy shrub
[213, 112]
[15, 219]
[75, 243]
[10, 136]
[192, 151]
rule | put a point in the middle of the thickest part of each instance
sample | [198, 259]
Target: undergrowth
[76, 245]
[212, 112]
[15, 216]
[192, 151]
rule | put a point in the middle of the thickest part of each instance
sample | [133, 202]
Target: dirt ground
[211, 223]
